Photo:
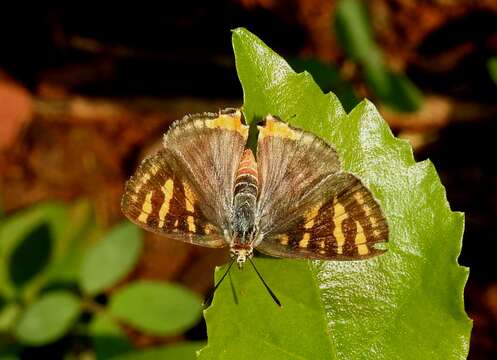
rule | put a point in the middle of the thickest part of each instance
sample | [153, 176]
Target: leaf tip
[238, 30]
[240, 33]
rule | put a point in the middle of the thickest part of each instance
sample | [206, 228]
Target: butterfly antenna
[210, 296]
[276, 300]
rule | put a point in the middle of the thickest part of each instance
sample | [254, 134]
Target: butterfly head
[241, 253]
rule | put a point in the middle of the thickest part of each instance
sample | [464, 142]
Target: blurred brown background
[86, 92]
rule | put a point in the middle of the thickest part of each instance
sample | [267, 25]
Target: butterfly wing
[308, 207]
[292, 165]
[345, 226]
[195, 172]
[159, 201]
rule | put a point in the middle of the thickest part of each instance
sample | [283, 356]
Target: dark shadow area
[465, 159]
[154, 50]
[31, 255]
[452, 60]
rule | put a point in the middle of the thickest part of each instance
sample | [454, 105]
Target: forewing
[206, 150]
[345, 226]
[293, 166]
[158, 200]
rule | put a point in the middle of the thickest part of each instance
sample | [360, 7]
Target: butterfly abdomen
[245, 196]
[247, 183]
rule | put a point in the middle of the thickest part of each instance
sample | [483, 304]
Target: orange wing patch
[230, 121]
[274, 127]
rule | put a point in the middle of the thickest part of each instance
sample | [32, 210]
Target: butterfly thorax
[243, 224]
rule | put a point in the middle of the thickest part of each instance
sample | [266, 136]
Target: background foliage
[62, 276]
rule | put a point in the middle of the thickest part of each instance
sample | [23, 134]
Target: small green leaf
[84, 232]
[405, 304]
[111, 259]
[29, 243]
[31, 255]
[355, 33]
[108, 338]
[182, 351]
[492, 68]
[48, 318]
[8, 316]
[157, 308]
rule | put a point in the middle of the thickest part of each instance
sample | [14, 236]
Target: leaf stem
[93, 307]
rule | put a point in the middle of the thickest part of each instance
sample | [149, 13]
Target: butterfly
[292, 200]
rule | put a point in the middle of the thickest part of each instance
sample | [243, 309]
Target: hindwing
[346, 226]
[160, 201]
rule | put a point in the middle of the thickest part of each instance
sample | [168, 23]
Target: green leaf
[31, 255]
[108, 338]
[84, 232]
[182, 351]
[156, 307]
[328, 77]
[43, 245]
[8, 316]
[354, 32]
[405, 304]
[111, 259]
[492, 68]
[29, 244]
[48, 318]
